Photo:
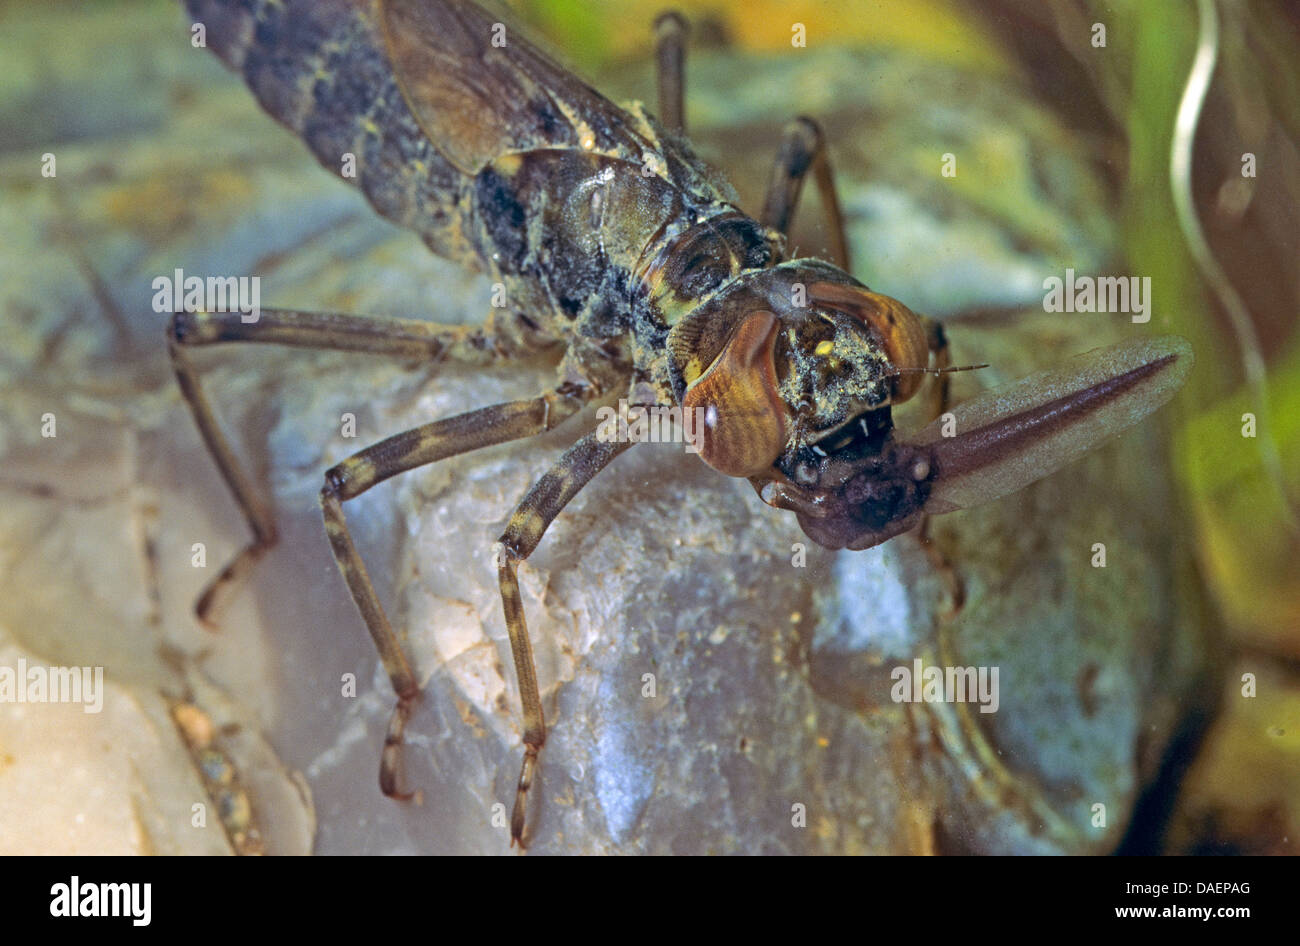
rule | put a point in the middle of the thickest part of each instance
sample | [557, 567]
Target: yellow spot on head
[824, 348]
[588, 141]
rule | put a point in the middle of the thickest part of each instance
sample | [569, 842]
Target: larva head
[796, 398]
[875, 484]
[789, 364]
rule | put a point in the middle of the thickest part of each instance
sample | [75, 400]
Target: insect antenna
[893, 372]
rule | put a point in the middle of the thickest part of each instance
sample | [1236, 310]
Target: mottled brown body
[598, 221]
[609, 236]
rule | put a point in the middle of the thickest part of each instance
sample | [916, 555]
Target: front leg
[398, 454]
[938, 400]
[534, 514]
[803, 149]
[405, 339]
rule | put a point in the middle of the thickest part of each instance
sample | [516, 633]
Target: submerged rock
[712, 682]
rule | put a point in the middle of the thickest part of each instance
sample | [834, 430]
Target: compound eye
[900, 330]
[743, 427]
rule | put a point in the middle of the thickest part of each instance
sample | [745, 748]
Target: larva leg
[938, 402]
[670, 69]
[398, 338]
[803, 148]
[534, 514]
[406, 451]
[940, 398]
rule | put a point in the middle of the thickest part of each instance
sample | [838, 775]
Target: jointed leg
[539, 508]
[803, 146]
[939, 402]
[670, 69]
[398, 454]
[401, 338]
[940, 399]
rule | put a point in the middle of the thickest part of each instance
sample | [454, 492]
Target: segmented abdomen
[320, 68]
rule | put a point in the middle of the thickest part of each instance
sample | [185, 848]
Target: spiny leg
[400, 338]
[534, 514]
[670, 69]
[398, 454]
[803, 146]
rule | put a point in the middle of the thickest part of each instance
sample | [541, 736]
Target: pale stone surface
[81, 583]
[118, 780]
[771, 681]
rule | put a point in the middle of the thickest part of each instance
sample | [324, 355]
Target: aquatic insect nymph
[613, 242]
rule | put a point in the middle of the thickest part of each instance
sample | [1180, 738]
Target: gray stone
[771, 728]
